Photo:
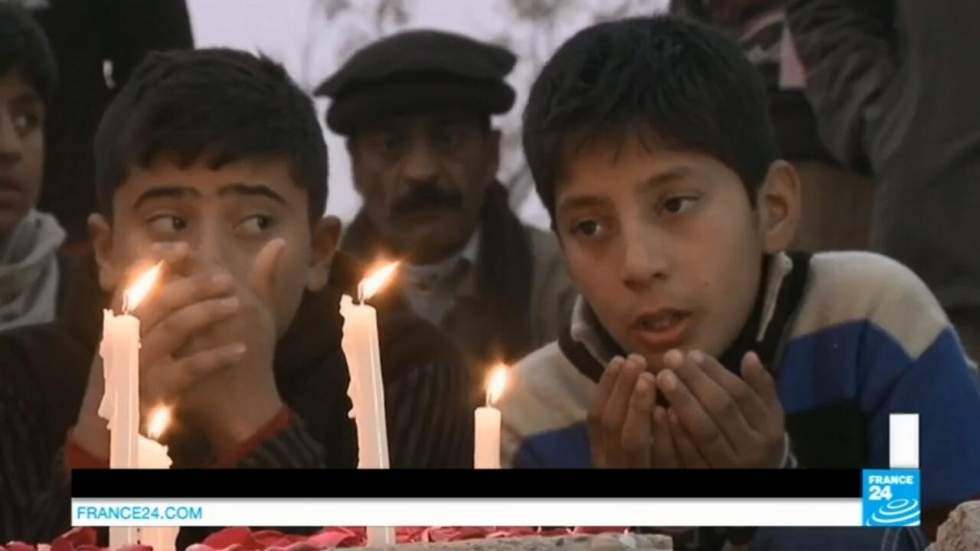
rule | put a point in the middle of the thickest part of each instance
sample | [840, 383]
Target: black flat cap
[414, 71]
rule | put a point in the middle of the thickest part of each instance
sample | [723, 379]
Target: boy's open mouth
[10, 190]
[8, 183]
[663, 328]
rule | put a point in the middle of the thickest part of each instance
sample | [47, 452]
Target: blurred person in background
[415, 108]
[31, 267]
[836, 200]
[894, 84]
[96, 43]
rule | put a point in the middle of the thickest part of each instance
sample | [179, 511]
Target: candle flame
[158, 422]
[375, 281]
[496, 383]
[141, 287]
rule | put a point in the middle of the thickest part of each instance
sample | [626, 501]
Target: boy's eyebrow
[582, 201]
[28, 97]
[240, 188]
[165, 192]
[670, 175]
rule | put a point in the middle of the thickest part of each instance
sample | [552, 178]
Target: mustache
[427, 196]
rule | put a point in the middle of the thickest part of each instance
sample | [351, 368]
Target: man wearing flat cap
[415, 108]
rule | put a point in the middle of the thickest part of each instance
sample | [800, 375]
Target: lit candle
[366, 390]
[153, 455]
[486, 444]
[120, 400]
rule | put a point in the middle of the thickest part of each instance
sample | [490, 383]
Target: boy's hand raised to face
[233, 403]
[177, 307]
[718, 419]
[182, 306]
[626, 428]
[207, 346]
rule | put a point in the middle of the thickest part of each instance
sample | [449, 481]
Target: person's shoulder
[864, 287]
[537, 365]
[866, 270]
[43, 367]
[542, 241]
[546, 391]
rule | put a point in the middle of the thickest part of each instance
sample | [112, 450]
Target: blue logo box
[891, 497]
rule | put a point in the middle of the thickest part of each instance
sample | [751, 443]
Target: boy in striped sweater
[698, 341]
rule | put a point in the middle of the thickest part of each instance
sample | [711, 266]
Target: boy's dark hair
[673, 83]
[24, 49]
[212, 105]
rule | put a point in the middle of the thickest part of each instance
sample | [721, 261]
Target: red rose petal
[333, 537]
[273, 538]
[520, 531]
[80, 536]
[298, 546]
[227, 537]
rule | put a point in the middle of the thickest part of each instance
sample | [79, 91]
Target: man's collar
[439, 271]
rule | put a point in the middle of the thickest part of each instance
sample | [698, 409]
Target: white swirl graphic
[897, 512]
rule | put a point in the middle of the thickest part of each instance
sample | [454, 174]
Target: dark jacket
[516, 298]
[87, 38]
[895, 85]
[758, 27]
[44, 370]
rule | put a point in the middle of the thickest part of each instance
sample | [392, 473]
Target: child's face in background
[226, 216]
[21, 149]
[665, 246]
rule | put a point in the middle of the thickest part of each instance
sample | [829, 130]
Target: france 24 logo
[891, 497]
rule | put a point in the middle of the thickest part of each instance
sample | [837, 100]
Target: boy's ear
[778, 203]
[326, 235]
[102, 243]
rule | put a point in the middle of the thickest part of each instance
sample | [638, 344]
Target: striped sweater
[864, 338]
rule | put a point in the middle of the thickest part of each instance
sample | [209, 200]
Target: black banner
[552, 483]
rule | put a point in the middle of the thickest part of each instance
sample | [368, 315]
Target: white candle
[486, 444]
[360, 344]
[153, 455]
[120, 401]
[120, 406]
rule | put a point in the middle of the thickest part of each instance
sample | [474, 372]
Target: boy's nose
[11, 146]
[211, 252]
[643, 261]
[208, 252]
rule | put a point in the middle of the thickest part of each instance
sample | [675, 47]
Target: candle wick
[488, 399]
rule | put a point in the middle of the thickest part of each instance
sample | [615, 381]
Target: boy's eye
[586, 228]
[167, 224]
[255, 225]
[677, 205]
[25, 122]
